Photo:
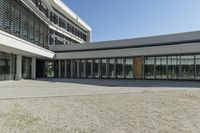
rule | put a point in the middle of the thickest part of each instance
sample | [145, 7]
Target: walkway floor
[69, 87]
[99, 106]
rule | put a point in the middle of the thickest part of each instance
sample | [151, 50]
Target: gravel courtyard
[99, 106]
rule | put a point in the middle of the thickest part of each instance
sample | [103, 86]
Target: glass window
[103, 68]
[6, 15]
[82, 68]
[46, 36]
[96, 68]
[68, 68]
[31, 29]
[62, 63]
[197, 61]
[128, 68]
[187, 67]
[149, 67]
[173, 67]
[37, 31]
[26, 67]
[111, 68]
[161, 67]
[49, 70]
[75, 67]
[55, 19]
[24, 24]
[7, 66]
[41, 34]
[15, 18]
[119, 68]
[89, 68]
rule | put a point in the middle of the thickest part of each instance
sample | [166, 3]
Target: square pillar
[78, 69]
[33, 71]
[85, 69]
[59, 68]
[19, 67]
[72, 68]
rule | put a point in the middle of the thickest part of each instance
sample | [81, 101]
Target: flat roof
[177, 38]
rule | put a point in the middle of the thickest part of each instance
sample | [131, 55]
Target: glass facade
[82, 68]
[75, 68]
[111, 68]
[62, 68]
[119, 68]
[161, 67]
[128, 68]
[172, 67]
[89, 68]
[197, 68]
[18, 20]
[187, 67]
[7, 66]
[68, 66]
[103, 68]
[26, 68]
[96, 68]
[149, 68]
[60, 20]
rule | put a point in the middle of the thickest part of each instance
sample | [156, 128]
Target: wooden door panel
[138, 67]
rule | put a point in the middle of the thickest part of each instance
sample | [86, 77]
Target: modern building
[45, 39]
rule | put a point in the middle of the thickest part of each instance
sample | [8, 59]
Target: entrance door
[138, 67]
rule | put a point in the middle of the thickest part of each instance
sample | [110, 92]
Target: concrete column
[19, 67]
[84, 68]
[65, 68]
[78, 69]
[72, 69]
[59, 68]
[33, 71]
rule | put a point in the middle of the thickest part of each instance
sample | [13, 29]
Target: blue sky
[120, 19]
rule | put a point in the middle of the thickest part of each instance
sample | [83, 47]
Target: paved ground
[99, 106]
[70, 87]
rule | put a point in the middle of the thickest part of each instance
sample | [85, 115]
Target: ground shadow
[126, 83]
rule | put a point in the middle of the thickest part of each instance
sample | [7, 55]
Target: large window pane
[31, 29]
[173, 67]
[82, 68]
[62, 63]
[37, 31]
[89, 68]
[149, 67]
[161, 67]
[103, 68]
[197, 67]
[26, 67]
[41, 34]
[68, 68]
[24, 24]
[75, 67]
[128, 68]
[7, 66]
[15, 18]
[96, 68]
[187, 67]
[111, 68]
[119, 68]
